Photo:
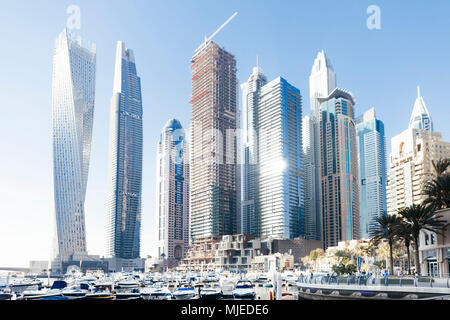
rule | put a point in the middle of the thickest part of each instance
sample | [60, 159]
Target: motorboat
[244, 291]
[76, 291]
[261, 278]
[131, 294]
[55, 290]
[21, 284]
[227, 287]
[127, 283]
[211, 277]
[157, 292]
[210, 293]
[185, 293]
[98, 294]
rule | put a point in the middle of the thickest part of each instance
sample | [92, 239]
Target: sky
[381, 67]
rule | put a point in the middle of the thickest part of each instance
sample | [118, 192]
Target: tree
[385, 228]
[438, 190]
[421, 217]
[404, 232]
[441, 166]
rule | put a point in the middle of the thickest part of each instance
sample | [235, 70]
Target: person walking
[386, 277]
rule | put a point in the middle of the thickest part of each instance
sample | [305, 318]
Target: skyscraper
[322, 82]
[372, 170]
[272, 176]
[214, 174]
[73, 91]
[339, 168]
[279, 200]
[125, 159]
[413, 152]
[250, 93]
[172, 185]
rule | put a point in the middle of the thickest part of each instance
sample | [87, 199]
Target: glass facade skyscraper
[250, 219]
[372, 171]
[172, 192]
[73, 95]
[273, 186]
[322, 81]
[339, 169]
[125, 160]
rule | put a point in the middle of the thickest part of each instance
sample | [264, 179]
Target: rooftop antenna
[207, 40]
[257, 61]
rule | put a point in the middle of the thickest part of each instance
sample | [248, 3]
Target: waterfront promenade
[395, 288]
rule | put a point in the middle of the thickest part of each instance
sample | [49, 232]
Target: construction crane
[207, 40]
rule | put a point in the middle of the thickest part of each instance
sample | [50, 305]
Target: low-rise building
[434, 249]
[276, 261]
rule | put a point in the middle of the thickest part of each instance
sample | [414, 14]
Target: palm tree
[404, 232]
[438, 192]
[385, 228]
[420, 217]
[440, 166]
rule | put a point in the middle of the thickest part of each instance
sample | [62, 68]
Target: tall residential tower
[413, 152]
[73, 91]
[250, 94]
[272, 175]
[172, 191]
[339, 168]
[125, 159]
[322, 82]
[372, 170]
[214, 176]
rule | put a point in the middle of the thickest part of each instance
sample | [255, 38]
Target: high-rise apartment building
[371, 143]
[413, 152]
[250, 219]
[339, 168]
[125, 159]
[272, 181]
[322, 82]
[172, 192]
[214, 176]
[73, 91]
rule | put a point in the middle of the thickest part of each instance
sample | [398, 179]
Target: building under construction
[214, 171]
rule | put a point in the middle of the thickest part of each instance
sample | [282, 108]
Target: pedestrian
[416, 279]
[386, 277]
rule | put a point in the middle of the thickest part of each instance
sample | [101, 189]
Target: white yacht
[244, 291]
[185, 293]
[210, 293]
[55, 291]
[156, 292]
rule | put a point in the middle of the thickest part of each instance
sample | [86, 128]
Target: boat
[227, 287]
[20, 285]
[211, 277]
[55, 290]
[132, 294]
[99, 295]
[185, 293]
[128, 283]
[76, 291]
[6, 294]
[261, 278]
[157, 292]
[210, 293]
[244, 291]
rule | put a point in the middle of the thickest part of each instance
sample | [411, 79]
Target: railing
[399, 281]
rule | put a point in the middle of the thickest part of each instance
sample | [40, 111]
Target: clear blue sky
[381, 67]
